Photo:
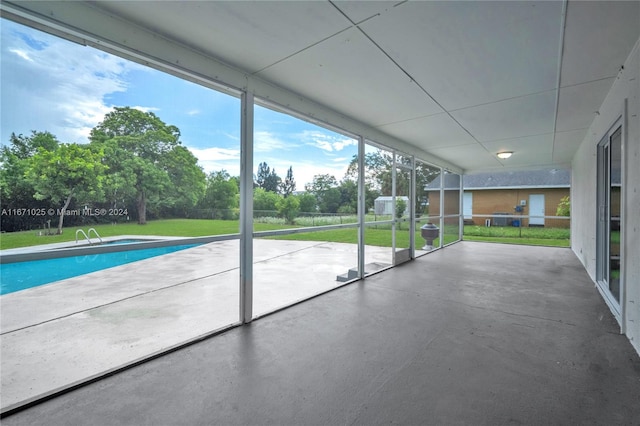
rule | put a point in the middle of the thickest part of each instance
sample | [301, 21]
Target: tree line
[135, 167]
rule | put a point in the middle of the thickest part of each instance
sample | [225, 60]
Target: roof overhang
[451, 82]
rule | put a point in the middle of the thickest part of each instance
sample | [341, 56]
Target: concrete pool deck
[61, 334]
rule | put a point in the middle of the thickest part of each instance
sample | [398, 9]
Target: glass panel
[452, 194]
[130, 166]
[294, 267]
[614, 213]
[378, 197]
[305, 176]
[428, 182]
[451, 207]
[427, 187]
[377, 250]
[451, 229]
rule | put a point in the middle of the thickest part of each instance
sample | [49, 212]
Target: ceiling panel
[525, 116]
[249, 35]
[359, 11]
[578, 104]
[470, 53]
[599, 37]
[531, 149]
[566, 144]
[435, 131]
[469, 157]
[354, 77]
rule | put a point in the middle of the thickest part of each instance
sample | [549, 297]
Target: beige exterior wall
[451, 202]
[490, 201]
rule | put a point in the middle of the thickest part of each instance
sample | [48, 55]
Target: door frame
[603, 227]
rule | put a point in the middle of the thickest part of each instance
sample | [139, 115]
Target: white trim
[485, 188]
[617, 307]
[624, 165]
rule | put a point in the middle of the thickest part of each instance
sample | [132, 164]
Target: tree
[323, 187]
[220, 194]
[69, 171]
[264, 200]
[379, 176]
[348, 196]
[272, 184]
[267, 178]
[321, 183]
[401, 207]
[330, 201]
[188, 181]
[377, 170]
[289, 185]
[146, 161]
[17, 192]
[288, 208]
[263, 173]
[308, 202]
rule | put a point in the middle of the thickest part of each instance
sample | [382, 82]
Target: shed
[384, 205]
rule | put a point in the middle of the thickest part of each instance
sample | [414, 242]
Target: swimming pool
[18, 276]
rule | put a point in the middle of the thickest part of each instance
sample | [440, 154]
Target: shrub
[564, 207]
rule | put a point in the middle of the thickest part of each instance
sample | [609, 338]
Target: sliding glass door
[609, 258]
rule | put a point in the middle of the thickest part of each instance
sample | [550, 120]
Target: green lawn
[556, 237]
[377, 236]
[168, 227]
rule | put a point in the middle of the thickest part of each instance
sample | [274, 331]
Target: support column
[362, 207]
[246, 208]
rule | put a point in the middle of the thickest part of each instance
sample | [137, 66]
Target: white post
[246, 208]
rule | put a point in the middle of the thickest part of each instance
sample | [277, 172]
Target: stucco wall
[583, 191]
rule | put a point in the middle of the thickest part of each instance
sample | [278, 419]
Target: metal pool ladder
[86, 234]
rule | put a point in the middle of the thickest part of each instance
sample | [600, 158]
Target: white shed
[384, 205]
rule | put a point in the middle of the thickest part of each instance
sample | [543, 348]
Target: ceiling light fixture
[505, 154]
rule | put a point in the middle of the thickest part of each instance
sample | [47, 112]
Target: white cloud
[325, 141]
[51, 84]
[230, 136]
[24, 55]
[264, 141]
[215, 159]
[216, 154]
[194, 112]
[145, 109]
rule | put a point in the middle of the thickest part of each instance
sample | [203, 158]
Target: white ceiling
[460, 80]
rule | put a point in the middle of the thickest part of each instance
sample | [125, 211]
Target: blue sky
[48, 83]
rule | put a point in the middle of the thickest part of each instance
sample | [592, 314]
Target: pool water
[23, 275]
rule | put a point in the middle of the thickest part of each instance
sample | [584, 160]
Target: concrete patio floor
[57, 335]
[476, 333]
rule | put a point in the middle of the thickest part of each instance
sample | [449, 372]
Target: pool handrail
[95, 232]
[87, 236]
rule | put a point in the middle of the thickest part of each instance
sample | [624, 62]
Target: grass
[377, 236]
[168, 227]
[556, 237]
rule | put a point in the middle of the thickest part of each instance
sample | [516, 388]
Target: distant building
[536, 193]
[384, 205]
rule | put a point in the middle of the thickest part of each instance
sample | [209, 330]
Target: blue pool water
[22, 275]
